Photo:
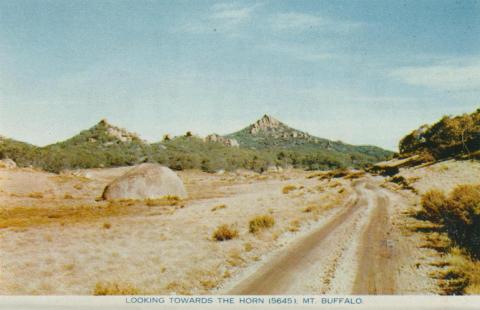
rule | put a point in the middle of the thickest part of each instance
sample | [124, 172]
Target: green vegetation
[105, 145]
[449, 137]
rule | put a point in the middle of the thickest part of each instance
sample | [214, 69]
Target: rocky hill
[105, 134]
[269, 132]
[268, 142]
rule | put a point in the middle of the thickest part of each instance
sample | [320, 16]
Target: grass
[35, 195]
[261, 222]
[458, 217]
[458, 273]
[114, 288]
[225, 232]
[288, 188]
[219, 207]
[168, 200]
[22, 216]
[294, 226]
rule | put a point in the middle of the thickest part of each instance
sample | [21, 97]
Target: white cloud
[448, 75]
[299, 22]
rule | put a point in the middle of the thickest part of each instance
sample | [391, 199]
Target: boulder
[145, 181]
[7, 163]
[214, 138]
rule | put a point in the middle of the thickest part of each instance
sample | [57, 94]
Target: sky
[363, 72]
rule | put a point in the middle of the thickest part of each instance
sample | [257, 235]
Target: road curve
[348, 254]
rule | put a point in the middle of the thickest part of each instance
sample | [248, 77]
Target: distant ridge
[267, 142]
[268, 132]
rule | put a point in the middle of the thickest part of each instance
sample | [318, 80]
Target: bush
[288, 188]
[433, 203]
[225, 232]
[459, 214]
[449, 137]
[261, 222]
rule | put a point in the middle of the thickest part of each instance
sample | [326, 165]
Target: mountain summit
[269, 131]
[104, 133]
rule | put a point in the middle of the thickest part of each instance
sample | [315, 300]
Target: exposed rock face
[116, 132]
[271, 126]
[7, 163]
[266, 123]
[145, 181]
[219, 139]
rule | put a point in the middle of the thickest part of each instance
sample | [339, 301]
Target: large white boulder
[145, 181]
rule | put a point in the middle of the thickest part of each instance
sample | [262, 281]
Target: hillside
[449, 137]
[268, 132]
[266, 143]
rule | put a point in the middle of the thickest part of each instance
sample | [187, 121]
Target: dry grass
[288, 188]
[235, 258]
[261, 222]
[225, 232]
[35, 195]
[36, 216]
[163, 201]
[219, 207]
[458, 273]
[113, 288]
[294, 226]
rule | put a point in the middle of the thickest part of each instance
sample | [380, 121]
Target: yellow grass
[225, 232]
[261, 222]
[223, 206]
[36, 216]
[113, 288]
[36, 195]
[288, 188]
[163, 201]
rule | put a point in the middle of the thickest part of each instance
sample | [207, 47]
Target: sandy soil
[357, 251]
[156, 249]
[331, 236]
[442, 175]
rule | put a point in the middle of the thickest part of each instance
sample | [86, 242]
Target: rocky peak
[266, 123]
[115, 132]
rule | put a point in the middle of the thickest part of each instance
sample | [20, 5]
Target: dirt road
[350, 253]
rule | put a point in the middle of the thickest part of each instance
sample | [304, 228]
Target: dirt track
[349, 253]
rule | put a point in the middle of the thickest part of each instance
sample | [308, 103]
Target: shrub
[261, 222]
[288, 188]
[225, 232]
[433, 203]
[112, 288]
[459, 215]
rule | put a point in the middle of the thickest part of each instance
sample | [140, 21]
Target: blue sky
[364, 72]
